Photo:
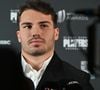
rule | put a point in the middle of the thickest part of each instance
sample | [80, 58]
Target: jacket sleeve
[86, 84]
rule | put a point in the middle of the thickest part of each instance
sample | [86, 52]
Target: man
[37, 35]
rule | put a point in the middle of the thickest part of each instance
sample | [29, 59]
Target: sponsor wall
[79, 23]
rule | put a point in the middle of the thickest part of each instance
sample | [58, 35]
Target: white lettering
[5, 42]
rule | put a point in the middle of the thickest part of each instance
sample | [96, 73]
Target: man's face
[36, 33]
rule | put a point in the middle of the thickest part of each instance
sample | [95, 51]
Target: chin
[38, 53]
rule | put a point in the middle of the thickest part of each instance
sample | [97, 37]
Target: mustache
[36, 37]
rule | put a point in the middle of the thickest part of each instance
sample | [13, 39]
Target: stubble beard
[37, 51]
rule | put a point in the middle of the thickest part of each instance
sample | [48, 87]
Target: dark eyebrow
[26, 23]
[41, 22]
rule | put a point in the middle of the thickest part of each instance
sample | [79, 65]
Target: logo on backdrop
[75, 43]
[13, 15]
[5, 42]
[63, 15]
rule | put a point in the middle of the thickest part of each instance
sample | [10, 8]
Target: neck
[36, 61]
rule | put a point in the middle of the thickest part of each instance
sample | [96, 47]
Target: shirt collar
[27, 66]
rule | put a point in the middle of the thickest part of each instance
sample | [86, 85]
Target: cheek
[22, 37]
[24, 34]
[50, 37]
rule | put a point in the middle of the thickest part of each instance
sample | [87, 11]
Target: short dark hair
[40, 6]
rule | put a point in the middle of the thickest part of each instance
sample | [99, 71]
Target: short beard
[38, 53]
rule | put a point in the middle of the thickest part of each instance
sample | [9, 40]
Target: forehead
[32, 15]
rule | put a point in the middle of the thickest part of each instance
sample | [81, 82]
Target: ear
[18, 36]
[56, 33]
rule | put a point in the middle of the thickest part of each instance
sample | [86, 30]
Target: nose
[36, 31]
[36, 36]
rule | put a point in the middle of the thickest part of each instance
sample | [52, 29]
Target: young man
[37, 35]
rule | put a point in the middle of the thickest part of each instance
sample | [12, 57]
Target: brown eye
[44, 26]
[28, 26]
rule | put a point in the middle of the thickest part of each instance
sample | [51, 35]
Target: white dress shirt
[33, 74]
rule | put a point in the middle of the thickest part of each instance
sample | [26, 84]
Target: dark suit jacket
[12, 76]
[58, 70]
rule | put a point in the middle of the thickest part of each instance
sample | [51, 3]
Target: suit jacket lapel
[53, 72]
